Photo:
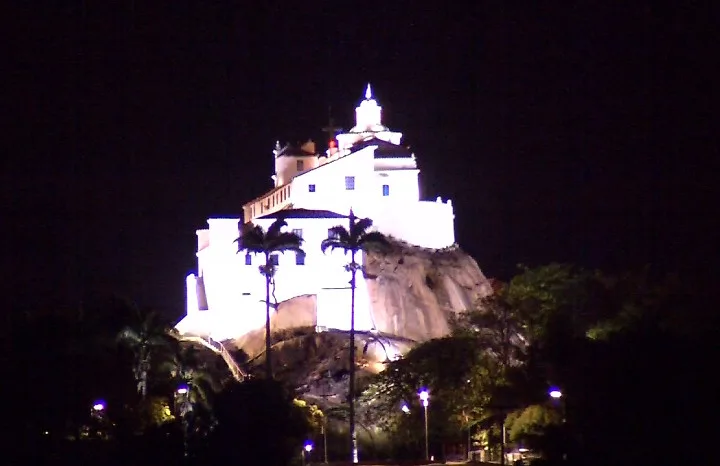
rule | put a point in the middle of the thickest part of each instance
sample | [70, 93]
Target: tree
[143, 338]
[255, 240]
[250, 413]
[353, 240]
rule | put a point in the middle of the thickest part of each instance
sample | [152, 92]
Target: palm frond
[285, 242]
[333, 244]
[360, 227]
[339, 233]
[252, 238]
[129, 336]
[275, 229]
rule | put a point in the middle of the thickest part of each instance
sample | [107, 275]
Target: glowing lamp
[182, 390]
[555, 393]
[424, 396]
[308, 447]
[405, 408]
[98, 406]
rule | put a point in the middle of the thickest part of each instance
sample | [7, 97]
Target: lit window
[300, 165]
[311, 188]
[274, 259]
[386, 190]
[299, 258]
[350, 183]
[248, 259]
[297, 231]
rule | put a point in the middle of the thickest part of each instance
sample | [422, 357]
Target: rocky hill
[412, 292]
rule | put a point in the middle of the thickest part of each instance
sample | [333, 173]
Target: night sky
[578, 134]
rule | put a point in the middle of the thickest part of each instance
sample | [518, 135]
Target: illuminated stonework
[368, 171]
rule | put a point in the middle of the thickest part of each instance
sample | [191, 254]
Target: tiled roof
[303, 213]
[384, 149]
[293, 150]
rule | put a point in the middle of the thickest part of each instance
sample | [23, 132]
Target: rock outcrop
[412, 293]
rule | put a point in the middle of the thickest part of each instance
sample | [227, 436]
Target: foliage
[314, 415]
[145, 337]
[531, 421]
[254, 240]
[154, 411]
[358, 237]
[249, 414]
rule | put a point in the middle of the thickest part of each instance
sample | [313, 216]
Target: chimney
[309, 147]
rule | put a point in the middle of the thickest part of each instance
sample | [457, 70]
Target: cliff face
[412, 292]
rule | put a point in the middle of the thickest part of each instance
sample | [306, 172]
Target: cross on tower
[331, 130]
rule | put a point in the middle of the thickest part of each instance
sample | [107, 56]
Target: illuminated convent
[366, 169]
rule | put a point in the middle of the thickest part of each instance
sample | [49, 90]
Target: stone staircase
[218, 348]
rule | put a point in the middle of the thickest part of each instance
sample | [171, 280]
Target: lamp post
[307, 448]
[424, 398]
[183, 393]
[556, 394]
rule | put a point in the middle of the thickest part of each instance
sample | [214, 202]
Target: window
[299, 258]
[349, 183]
[248, 259]
[274, 259]
[300, 165]
[297, 231]
[386, 190]
[311, 188]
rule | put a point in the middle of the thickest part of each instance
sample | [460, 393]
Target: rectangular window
[298, 231]
[274, 259]
[350, 183]
[299, 258]
[386, 190]
[311, 188]
[300, 165]
[248, 259]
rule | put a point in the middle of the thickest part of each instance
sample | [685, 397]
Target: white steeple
[368, 114]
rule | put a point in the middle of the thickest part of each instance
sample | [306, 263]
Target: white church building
[367, 170]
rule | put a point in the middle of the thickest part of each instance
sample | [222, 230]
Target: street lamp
[185, 408]
[307, 448]
[98, 406]
[555, 393]
[424, 398]
[404, 408]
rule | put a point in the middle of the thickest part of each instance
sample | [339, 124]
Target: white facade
[370, 173]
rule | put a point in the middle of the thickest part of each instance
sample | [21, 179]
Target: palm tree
[191, 383]
[147, 336]
[254, 240]
[353, 240]
[183, 367]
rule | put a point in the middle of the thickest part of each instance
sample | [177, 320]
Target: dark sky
[577, 134]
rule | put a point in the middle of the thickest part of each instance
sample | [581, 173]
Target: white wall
[426, 223]
[329, 181]
[403, 185]
[286, 167]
